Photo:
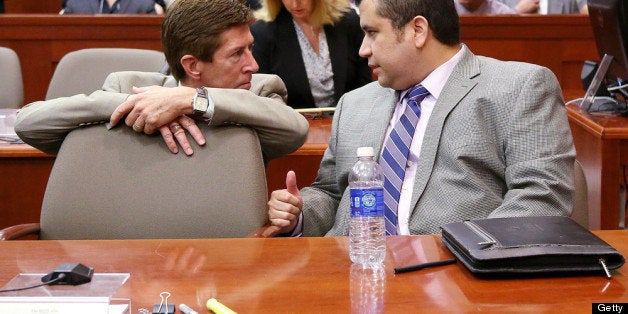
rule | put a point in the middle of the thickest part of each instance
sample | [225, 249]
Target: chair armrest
[18, 231]
[266, 231]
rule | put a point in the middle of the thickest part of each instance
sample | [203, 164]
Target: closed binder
[528, 246]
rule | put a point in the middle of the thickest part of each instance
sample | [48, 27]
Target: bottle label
[367, 202]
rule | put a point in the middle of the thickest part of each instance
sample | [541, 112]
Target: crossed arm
[281, 130]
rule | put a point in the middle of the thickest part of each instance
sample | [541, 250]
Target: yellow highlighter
[217, 307]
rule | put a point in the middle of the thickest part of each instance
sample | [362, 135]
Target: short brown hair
[193, 27]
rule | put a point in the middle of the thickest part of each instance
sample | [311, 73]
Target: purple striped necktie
[395, 155]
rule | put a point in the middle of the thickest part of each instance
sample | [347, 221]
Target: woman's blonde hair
[325, 12]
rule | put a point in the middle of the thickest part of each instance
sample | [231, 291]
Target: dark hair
[194, 26]
[440, 14]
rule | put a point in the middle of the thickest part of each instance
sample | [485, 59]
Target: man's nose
[252, 65]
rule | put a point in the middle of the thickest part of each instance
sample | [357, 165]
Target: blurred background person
[548, 6]
[160, 6]
[488, 7]
[253, 4]
[109, 7]
[313, 46]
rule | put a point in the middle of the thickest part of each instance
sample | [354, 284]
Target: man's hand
[527, 6]
[153, 107]
[285, 205]
[176, 130]
[161, 108]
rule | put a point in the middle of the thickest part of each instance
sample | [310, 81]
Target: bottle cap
[365, 152]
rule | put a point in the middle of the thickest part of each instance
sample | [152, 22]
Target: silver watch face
[201, 104]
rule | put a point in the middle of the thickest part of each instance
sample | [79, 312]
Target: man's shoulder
[369, 90]
[268, 84]
[507, 67]
[128, 79]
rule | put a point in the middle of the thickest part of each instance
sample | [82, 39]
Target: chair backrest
[580, 211]
[118, 184]
[11, 87]
[84, 71]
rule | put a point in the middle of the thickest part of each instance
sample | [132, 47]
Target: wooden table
[602, 149]
[311, 275]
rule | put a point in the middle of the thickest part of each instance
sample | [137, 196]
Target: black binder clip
[164, 307]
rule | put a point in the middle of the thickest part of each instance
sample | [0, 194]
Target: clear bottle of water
[367, 232]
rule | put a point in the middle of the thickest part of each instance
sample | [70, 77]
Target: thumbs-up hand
[292, 188]
[284, 206]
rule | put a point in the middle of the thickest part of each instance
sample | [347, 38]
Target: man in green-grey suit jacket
[492, 139]
[207, 44]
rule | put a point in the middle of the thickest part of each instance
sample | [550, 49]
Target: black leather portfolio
[529, 246]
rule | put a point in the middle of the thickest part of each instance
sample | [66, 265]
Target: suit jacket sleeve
[539, 152]
[281, 130]
[322, 198]
[44, 124]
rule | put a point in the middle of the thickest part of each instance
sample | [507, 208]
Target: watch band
[203, 105]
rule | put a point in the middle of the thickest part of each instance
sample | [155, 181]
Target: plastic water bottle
[367, 232]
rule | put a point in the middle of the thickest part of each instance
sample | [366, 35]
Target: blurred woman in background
[313, 46]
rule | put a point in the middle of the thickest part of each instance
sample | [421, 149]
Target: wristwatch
[203, 105]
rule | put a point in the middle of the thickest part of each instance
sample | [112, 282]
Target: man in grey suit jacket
[218, 68]
[492, 140]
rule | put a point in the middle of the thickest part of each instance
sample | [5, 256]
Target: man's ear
[421, 30]
[192, 66]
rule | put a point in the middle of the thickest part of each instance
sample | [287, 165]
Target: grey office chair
[118, 184]
[11, 87]
[84, 71]
[580, 211]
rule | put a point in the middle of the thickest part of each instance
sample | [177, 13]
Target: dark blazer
[277, 51]
[94, 7]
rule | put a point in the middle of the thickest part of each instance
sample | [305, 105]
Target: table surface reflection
[310, 275]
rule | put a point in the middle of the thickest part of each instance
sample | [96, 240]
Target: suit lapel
[337, 53]
[379, 118]
[461, 81]
[286, 35]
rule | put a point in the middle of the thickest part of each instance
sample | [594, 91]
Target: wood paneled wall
[32, 6]
[559, 42]
[42, 40]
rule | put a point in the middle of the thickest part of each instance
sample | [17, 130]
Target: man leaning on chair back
[207, 43]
